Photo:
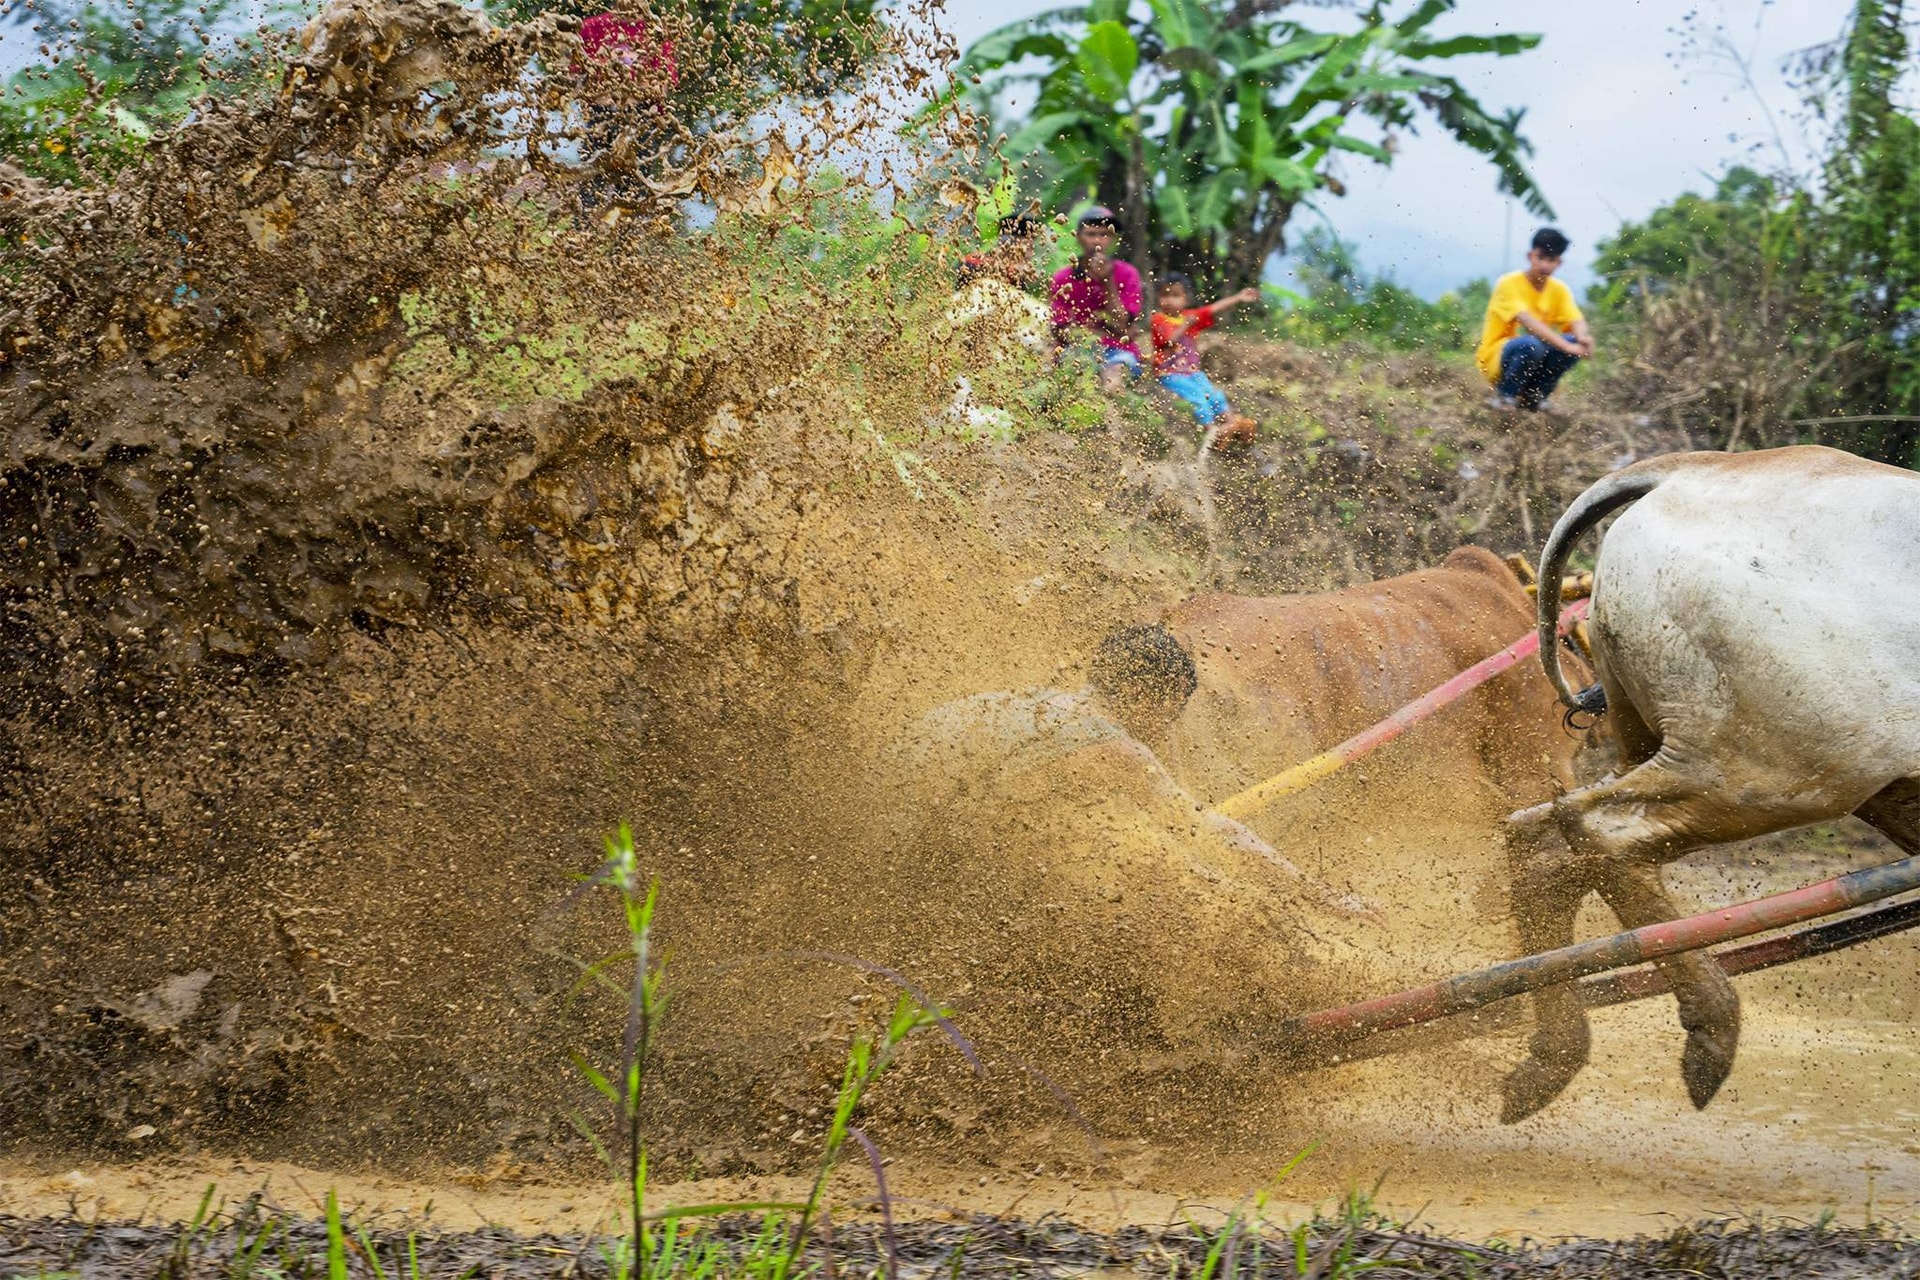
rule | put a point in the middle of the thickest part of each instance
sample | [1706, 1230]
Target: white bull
[1754, 620]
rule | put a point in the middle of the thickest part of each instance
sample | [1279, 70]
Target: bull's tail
[1591, 507]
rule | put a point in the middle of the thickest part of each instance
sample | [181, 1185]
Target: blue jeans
[1094, 355]
[1197, 390]
[1530, 369]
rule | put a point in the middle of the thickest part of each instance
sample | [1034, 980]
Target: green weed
[336, 1241]
[670, 1242]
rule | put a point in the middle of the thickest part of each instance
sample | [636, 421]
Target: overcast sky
[1621, 118]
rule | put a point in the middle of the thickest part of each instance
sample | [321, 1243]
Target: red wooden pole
[1246, 803]
[1530, 973]
[1641, 984]
[1801, 944]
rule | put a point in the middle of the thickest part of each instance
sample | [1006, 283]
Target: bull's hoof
[1531, 1086]
[1706, 1063]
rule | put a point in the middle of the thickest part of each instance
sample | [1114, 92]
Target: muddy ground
[317, 918]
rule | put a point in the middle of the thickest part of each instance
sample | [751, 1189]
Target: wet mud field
[1814, 1130]
[344, 625]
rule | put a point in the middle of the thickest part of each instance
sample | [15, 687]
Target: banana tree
[1208, 122]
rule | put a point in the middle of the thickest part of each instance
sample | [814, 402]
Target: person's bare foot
[1236, 430]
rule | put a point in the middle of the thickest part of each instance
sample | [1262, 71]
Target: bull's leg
[1620, 831]
[1547, 888]
[1549, 881]
[1709, 1006]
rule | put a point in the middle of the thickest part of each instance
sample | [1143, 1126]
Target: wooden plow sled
[1380, 1025]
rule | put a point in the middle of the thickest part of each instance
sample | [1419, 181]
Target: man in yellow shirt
[1534, 331]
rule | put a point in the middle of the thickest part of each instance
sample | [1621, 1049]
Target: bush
[1342, 302]
[1714, 301]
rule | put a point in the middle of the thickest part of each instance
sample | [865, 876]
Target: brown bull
[1285, 677]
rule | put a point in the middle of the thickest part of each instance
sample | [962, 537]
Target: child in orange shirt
[1176, 358]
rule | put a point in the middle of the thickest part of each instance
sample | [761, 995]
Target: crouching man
[1534, 330]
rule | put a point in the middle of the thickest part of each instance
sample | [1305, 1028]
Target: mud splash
[383, 415]
[400, 491]
[366, 346]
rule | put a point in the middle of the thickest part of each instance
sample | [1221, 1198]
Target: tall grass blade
[336, 1241]
[372, 1251]
[886, 1199]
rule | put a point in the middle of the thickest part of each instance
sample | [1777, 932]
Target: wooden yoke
[1575, 586]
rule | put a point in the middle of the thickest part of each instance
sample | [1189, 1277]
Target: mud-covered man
[1138, 683]
[1097, 300]
[1087, 878]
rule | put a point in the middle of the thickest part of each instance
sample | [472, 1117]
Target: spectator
[618, 40]
[994, 326]
[1176, 358]
[623, 62]
[1534, 331]
[1096, 300]
[1009, 259]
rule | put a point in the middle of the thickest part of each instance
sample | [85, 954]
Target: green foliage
[1341, 302]
[1869, 249]
[1677, 242]
[1715, 312]
[46, 126]
[1207, 123]
[116, 75]
[1778, 309]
